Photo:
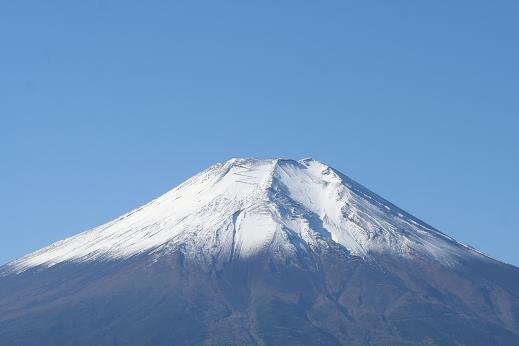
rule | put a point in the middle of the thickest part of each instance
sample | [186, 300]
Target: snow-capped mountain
[261, 252]
[245, 206]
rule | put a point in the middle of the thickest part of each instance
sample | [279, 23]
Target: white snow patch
[247, 206]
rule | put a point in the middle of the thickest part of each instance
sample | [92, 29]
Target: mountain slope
[261, 252]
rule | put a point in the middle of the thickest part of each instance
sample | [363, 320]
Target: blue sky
[105, 105]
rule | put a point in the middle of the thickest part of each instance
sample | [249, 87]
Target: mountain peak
[261, 252]
[247, 207]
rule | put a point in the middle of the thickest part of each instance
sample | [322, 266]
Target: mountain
[261, 252]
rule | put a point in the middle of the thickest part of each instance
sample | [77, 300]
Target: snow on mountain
[261, 252]
[245, 207]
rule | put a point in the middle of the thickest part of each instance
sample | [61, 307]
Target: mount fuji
[261, 252]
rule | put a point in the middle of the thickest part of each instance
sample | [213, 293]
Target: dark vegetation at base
[279, 323]
[346, 302]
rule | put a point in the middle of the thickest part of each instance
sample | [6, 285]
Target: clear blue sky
[105, 105]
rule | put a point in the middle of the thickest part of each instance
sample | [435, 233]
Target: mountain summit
[244, 207]
[261, 252]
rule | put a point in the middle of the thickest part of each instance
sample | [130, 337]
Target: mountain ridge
[261, 252]
[269, 190]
